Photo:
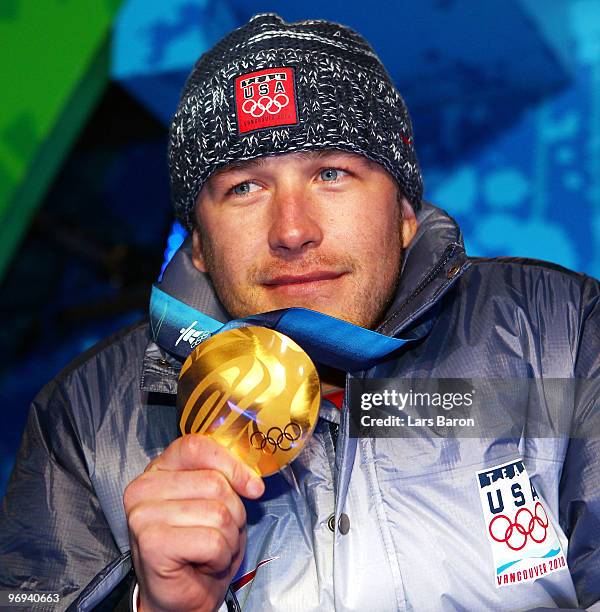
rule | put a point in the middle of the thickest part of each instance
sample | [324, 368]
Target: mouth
[316, 285]
[309, 278]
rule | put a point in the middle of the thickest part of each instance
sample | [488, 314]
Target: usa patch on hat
[265, 99]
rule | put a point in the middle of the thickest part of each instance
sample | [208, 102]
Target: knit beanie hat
[270, 87]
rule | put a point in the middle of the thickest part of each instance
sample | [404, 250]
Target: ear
[197, 255]
[409, 223]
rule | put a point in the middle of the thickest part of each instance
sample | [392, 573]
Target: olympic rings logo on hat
[273, 106]
[516, 533]
[276, 438]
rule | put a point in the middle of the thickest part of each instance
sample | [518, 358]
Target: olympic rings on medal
[257, 108]
[276, 438]
[523, 530]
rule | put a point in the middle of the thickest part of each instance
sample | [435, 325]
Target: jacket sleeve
[580, 482]
[53, 534]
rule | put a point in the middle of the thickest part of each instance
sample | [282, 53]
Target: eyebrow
[240, 165]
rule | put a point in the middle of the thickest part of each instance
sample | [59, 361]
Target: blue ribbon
[178, 328]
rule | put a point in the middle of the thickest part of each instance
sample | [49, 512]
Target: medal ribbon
[178, 328]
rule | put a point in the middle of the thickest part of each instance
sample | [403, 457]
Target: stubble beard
[370, 301]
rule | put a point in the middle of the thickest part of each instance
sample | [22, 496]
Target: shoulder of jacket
[535, 267]
[128, 340]
[76, 399]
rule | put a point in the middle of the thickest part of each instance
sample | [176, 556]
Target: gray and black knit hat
[271, 87]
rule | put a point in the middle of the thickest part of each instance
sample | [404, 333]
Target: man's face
[321, 230]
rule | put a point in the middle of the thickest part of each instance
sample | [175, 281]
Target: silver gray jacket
[372, 523]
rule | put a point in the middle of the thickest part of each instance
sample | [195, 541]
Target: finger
[196, 452]
[186, 513]
[181, 546]
[174, 485]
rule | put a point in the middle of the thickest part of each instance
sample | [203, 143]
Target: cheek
[381, 248]
[233, 252]
[230, 262]
[238, 230]
[376, 233]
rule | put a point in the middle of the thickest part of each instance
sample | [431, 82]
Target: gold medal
[255, 391]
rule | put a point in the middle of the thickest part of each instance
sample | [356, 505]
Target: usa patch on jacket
[524, 544]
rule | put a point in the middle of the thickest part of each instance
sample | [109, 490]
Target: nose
[294, 224]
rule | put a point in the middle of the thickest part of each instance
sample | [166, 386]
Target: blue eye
[330, 174]
[242, 188]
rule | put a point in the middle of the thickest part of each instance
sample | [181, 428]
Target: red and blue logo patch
[265, 99]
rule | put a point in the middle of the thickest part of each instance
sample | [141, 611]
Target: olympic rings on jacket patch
[276, 438]
[526, 525]
[266, 104]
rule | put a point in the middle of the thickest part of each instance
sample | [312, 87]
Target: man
[292, 164]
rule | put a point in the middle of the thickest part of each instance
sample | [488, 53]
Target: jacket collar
[434, 261]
